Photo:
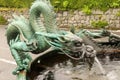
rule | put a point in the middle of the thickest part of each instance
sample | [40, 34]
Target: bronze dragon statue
[26, 36]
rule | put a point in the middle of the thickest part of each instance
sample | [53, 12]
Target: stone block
[82, 21]
[59, 15]
[117, 21]
[97, 12]
[108, 12]
[70, 21]
[77, 17]
[65, 13]
[117, 26]
[80, 13]
[112, 16]
[76, 12]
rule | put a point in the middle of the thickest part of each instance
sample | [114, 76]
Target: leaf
[65, 4]
[57, 2]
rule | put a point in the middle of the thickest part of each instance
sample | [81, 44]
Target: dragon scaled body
[24, 36]
[21, 35]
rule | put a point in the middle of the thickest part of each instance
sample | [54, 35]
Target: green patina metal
[30, 35]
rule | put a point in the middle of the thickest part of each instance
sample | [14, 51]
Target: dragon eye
[77, 43]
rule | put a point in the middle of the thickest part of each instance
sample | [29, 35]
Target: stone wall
[76, 18]
[8, 14]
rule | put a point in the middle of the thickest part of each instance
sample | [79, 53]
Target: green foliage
[2, 20]
[56, 3]
[87, 10]
[87, 5]
[99, 24]
[114, 4]
[15, 3]
[66, 4]
[118, 14]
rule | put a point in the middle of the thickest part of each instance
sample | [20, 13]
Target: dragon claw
[19, 69]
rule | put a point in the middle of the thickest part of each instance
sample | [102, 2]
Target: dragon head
[74, 47]
[69, 44]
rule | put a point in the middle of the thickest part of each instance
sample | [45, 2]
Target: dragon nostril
[89, 49]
